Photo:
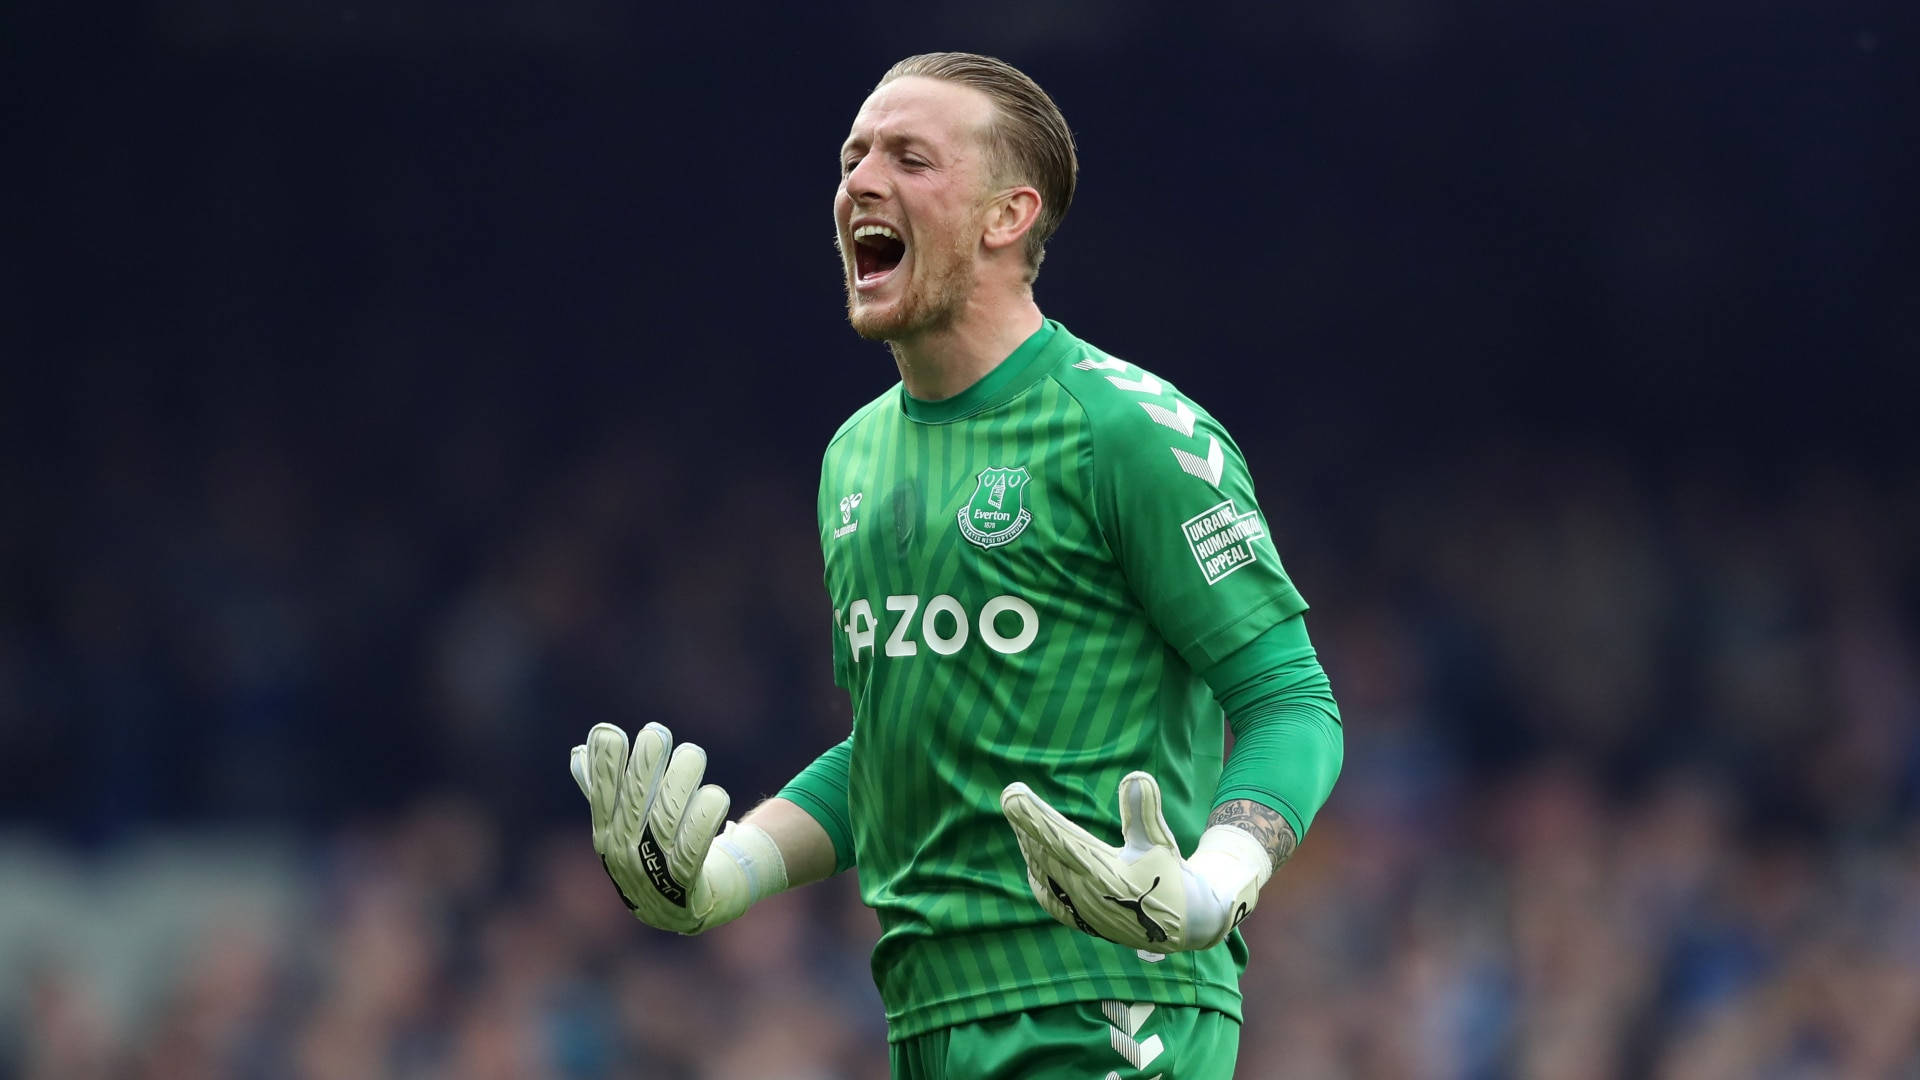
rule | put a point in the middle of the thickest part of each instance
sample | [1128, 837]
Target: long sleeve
[821, 790]
[1288, 740]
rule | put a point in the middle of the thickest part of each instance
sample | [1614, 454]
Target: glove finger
[1033, 850]
[1035, 816]
[640, 787]
[1062, 890]
[577, 765]
[1030, 826]
[1057, 846]
[1041, 879]
[606, 765]
[1030, 854]
[705, 812]
[1143, 820]
[683, 774]
[1037, 884]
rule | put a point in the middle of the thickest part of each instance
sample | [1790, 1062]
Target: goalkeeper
[1050, 584]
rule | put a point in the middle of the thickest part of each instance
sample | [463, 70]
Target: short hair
[1030, 140]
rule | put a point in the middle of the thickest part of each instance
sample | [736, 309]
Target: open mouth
[877, 250]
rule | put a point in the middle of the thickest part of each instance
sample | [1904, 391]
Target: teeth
[865, 231]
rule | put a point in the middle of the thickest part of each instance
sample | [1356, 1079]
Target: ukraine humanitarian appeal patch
[1222, 539]
[997, 512]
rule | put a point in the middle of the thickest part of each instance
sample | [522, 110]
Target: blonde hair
[1030, 139]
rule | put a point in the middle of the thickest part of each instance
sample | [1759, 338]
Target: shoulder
[865, 414]
[1126, 402]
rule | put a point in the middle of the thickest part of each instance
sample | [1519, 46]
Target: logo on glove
[1066, 901]
[1153, 929]
[655, 862]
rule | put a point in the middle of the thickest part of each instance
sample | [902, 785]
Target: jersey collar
[1026, 366]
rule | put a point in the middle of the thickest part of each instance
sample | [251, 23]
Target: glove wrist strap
[757, 856]
[1230, 845]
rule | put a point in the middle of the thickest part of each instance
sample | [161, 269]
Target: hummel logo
[1154, 932]
[1145, 384]
[848, 504]
[1180, 419]
[1210, 468]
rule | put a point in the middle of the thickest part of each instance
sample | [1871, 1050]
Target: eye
[912, 162]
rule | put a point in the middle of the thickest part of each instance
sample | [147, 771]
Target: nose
[863, 183]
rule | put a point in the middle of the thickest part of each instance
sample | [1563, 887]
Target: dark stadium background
[390, 392]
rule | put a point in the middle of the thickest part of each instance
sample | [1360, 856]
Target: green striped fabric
[1025, 579]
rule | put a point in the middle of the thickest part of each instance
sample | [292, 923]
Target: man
[1049, 581]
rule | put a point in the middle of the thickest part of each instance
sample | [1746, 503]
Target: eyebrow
[893, 140]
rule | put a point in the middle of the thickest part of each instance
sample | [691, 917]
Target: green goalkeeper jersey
[1026, 580]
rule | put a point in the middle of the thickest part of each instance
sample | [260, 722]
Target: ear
[1010, 216]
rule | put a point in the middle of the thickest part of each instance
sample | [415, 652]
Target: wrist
[752, 849]
[743, 867]
[1231, 858]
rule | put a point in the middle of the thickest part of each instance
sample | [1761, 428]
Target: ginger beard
[941, 279]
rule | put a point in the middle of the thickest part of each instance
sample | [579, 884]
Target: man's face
[910, 209]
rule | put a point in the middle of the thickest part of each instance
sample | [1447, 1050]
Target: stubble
[933, 301]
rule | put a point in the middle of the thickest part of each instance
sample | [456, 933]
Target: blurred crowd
[390, 395]
[1632, 783]
[1533, 929]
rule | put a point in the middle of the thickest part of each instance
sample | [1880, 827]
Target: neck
[940, 363]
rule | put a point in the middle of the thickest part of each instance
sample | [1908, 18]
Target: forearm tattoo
[1265, 823]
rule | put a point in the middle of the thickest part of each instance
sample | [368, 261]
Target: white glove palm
[654, 824]
[1143, 894]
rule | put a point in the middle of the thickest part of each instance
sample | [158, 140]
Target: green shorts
[1089, 1040]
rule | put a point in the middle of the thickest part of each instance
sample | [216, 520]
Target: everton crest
[997, 512]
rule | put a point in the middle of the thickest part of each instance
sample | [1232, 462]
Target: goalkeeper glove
[654, 823]
[1142, 894]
